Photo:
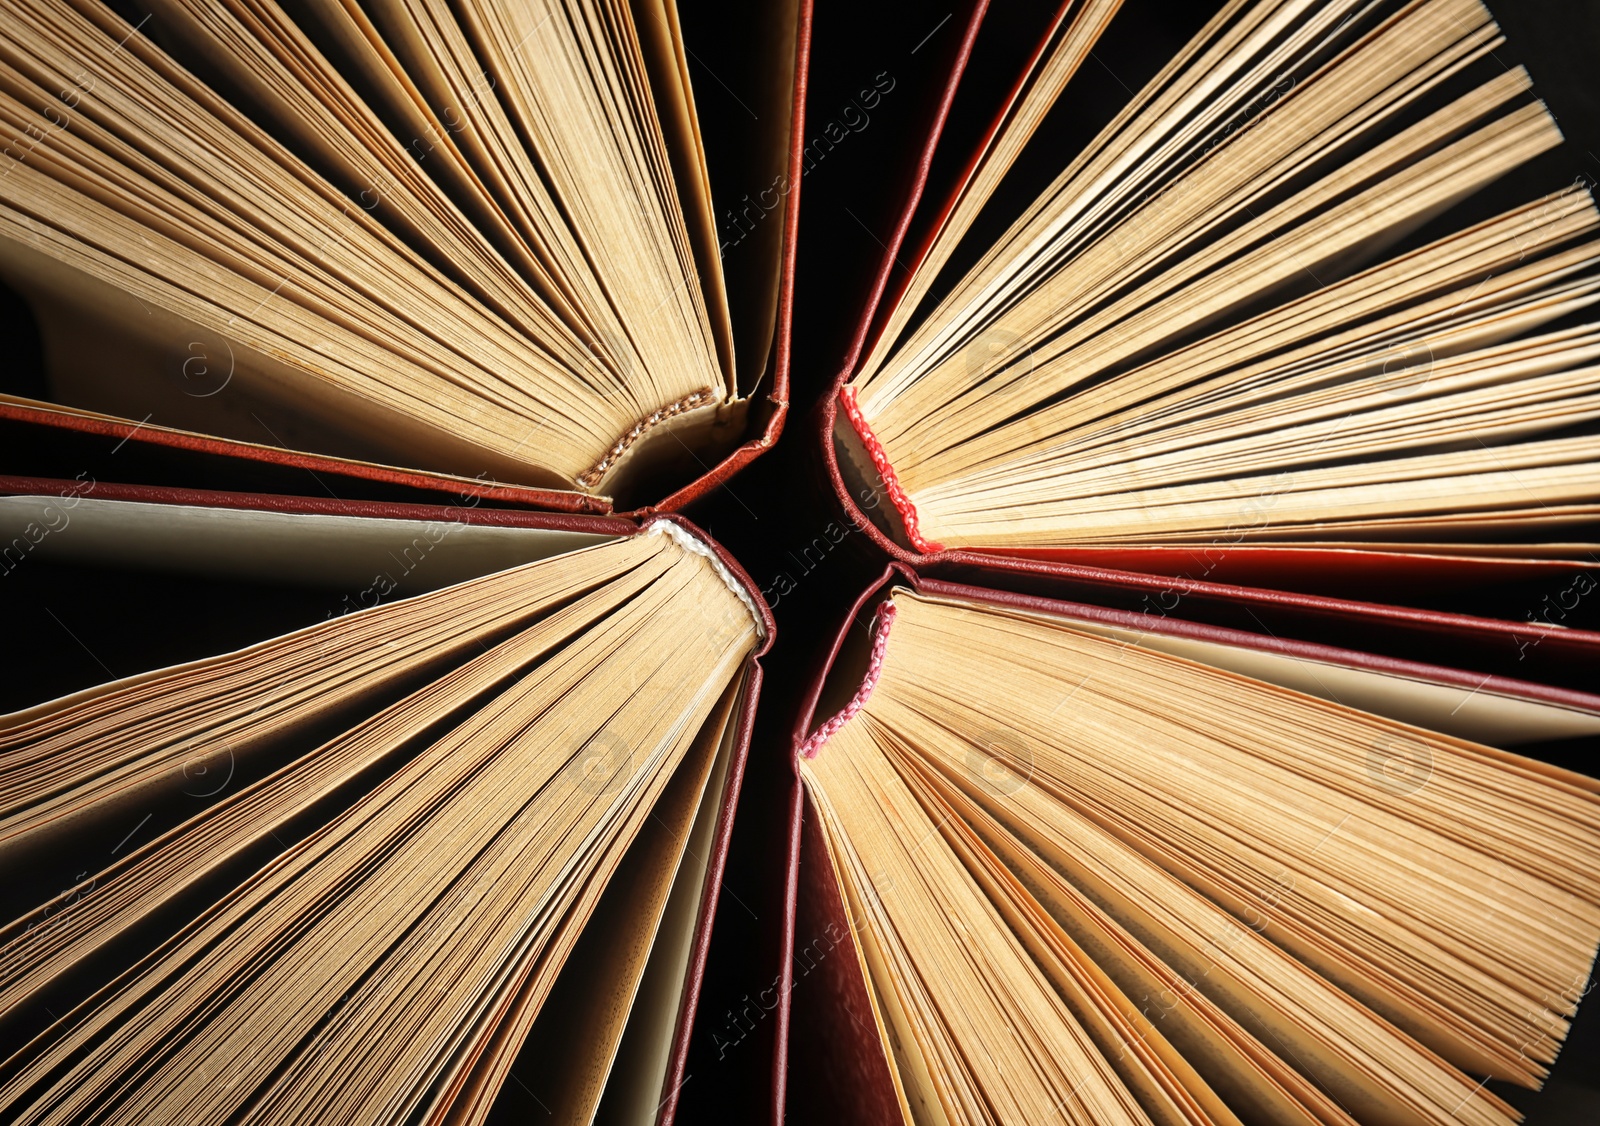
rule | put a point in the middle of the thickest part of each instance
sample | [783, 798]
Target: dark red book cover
[466, 511]
[729, 44]
[830, 1064]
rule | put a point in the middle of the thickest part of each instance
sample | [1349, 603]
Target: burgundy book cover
[1305, 600]
[467, 512]
[765, 420]
[826, 1029]
[1398, 576]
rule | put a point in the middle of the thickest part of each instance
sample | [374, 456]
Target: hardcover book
[542, 249]
[1057, 861]
[1316, 302]
[1181, 768]
[388, 813]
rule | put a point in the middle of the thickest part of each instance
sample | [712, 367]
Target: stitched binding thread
[881, 622]
[664, 527]
[880, 462]
[591, 477]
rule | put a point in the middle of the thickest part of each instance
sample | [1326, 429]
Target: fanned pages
[473, 239]
[380, 856]
[1093, 880]
[1245, 312]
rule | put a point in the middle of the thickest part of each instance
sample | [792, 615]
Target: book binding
[680, 529]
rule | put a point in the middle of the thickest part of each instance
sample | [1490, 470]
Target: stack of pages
[412, 804]
[1212, 748]
[1125, 797]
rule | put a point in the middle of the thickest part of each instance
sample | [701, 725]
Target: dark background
[776, 521]
[778, 517]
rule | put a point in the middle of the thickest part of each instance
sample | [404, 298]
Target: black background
[778, 517]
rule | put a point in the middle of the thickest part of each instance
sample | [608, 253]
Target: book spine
[881, 621]
[590, 477]
[697, 545]
[880, 462]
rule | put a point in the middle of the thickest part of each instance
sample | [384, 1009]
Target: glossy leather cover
[118, 431]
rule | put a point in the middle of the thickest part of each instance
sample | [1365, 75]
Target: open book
[502, 242]
[448, 852]
[1325, 283]
[1063, 863]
